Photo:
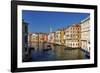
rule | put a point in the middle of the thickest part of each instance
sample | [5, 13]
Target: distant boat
[47, 48]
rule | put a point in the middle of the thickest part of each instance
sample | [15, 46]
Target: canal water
[57, 53]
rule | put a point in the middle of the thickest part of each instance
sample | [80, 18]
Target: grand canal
[57, 52]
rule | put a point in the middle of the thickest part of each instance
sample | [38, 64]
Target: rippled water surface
[58, 53]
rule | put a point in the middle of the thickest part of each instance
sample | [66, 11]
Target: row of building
[74, 36]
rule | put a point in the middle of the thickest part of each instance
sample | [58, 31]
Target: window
[71, 35]
[25, 49]
[77, 31]
[78, 44]
[26, 39]
[70, 44]
[26, 29]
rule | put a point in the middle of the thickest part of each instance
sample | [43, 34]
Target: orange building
[45, 37]
[73, 36]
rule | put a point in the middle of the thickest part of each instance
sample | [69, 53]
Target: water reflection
[58, 52]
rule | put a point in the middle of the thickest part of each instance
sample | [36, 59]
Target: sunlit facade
[33, 40]
[37, 39]
[45, 37]
[72, 36]
[85, 34]
[57, 37]
[62, 33]
[51, 37]
[29, 39]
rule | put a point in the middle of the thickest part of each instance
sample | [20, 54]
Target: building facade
[62, 33]
[29, 39]
[37, 40]
[51, 37]
[72, 36]
[85, 34]
[24, 39]
[32, 40]
[57, 37]
[45, 37]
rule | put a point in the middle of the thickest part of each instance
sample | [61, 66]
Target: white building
[57, 37]
[85, 34]
[51, 37]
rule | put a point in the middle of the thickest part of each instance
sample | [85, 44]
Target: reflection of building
[24, 39]
[85, 34]
[72, 36]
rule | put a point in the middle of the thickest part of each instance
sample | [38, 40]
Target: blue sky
[41, 21]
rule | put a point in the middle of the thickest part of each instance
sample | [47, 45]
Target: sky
[42, 21]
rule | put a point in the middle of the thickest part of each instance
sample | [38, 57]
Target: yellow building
[62, 33]
[72, 36]
[59, 36]
[85, 34]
